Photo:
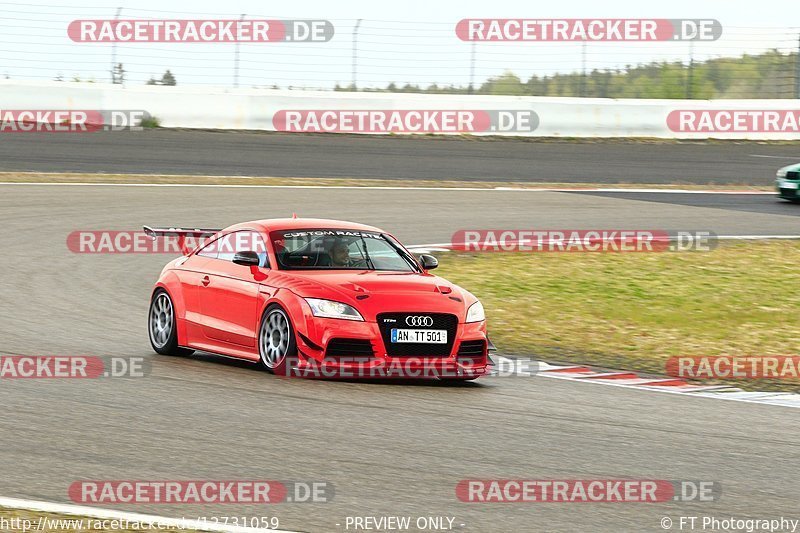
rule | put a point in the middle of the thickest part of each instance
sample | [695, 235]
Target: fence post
[690, 76]
[355, 52]
[236, 60]
[472, 69]
[797, 71]
[114, 54]
[583, 63]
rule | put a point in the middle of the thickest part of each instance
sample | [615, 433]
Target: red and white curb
[636, 381]
[154, 522]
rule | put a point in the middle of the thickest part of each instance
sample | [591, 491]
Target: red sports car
[317, 298]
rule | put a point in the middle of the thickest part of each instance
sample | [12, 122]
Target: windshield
[339, 249]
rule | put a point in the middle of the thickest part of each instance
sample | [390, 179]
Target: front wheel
[161, 326]
[276, 341]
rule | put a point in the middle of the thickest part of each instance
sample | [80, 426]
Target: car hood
[789, 168]
[374, 292]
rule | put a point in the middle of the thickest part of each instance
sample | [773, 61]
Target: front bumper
[465, 360]
[788, 189]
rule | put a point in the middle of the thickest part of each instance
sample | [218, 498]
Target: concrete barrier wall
[255, 109]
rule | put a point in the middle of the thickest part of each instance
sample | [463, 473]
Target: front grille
[788, 192]
[349, 348]
[387, 321]
[792, 175]
[472, 348]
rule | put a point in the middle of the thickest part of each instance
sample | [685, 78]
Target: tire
[276, 340]
[161, 326]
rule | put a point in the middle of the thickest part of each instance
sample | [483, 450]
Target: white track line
[93, 512]
[633, 190]
[241, 186]
[676, 191]
[393, 188]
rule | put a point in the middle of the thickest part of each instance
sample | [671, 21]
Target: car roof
[272, 224]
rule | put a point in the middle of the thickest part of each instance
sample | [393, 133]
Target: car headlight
[475, 313]
[781, 173]
[331, 309]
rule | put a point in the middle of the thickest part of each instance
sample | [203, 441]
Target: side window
[242, 241]
[209, 250]
[261, 249]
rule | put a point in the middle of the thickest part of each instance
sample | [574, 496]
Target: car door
[229, 292]
[191, 271]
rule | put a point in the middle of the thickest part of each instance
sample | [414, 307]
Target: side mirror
[246, 258]
[428, 262]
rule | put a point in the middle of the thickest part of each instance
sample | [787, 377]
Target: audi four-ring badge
[316, 298]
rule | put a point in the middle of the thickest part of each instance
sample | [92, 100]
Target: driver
[340, 255]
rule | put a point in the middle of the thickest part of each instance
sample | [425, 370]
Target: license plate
[420, 336]
[785, 184]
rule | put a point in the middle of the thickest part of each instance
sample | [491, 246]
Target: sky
[413, 41]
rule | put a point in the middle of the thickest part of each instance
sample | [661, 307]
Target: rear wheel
[276, 341]
[161, 326]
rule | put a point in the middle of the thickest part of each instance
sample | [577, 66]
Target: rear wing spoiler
[181, 234]
[178, 232]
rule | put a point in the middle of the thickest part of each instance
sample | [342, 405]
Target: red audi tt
[316, 298]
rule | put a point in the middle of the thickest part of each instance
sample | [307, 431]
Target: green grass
[151, 122]
[633, 311]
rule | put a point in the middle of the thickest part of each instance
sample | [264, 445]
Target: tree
[507, 83]
[167, 79]
[771, 74]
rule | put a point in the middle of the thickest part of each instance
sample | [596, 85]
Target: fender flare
[170, 284]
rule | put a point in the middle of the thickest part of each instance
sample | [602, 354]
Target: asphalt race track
[749, 203]
[329, 155]
[389, 449]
